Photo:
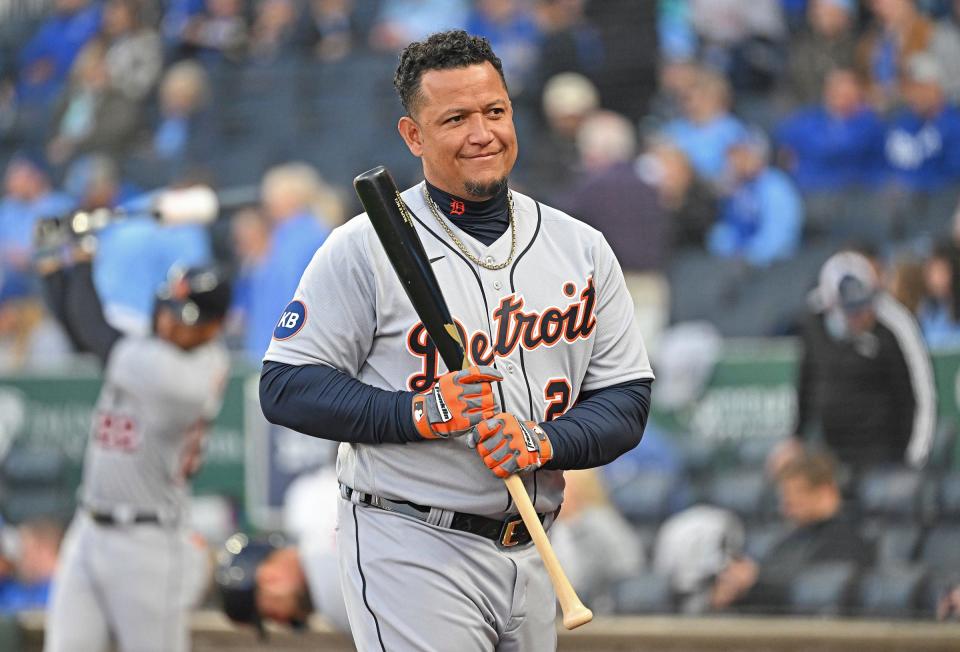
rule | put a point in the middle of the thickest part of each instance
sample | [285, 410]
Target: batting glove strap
[508, 445]
[456, 403]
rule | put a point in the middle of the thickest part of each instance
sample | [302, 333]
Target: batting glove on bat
[508, 445]
[457, 402]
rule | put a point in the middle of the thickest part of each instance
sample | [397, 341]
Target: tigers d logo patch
[291, 321]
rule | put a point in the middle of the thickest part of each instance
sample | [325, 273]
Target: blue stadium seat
[761, 538]
[948, 497]
[891, 493]
[744, 491]
[941, 548]
[896, 542]
[891, 591]
[645, 498]
[646, 593]
[823, 589]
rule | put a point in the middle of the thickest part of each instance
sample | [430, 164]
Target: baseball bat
[394, 227]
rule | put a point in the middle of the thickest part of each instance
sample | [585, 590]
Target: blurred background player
[130, 570]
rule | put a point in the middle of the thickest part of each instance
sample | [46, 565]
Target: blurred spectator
[135, 254]
[274, 34]
[177, 15]
[692, 548]
[865, 381]
[949, 604]
[291, 195]
[707, 128]
[134, 50]
[92, 115]
[836, 145]
[761, 220]
[513, 33]
[677, 40]
[37, 548]
[613, 198]
[28, 196]
[907, 284]
[811, 502]
[45, 61]
[218, 33]
[183, 136]
[742, 38]
[898, 31]
[939, 312]
[830, 43]
[593, 541]
[570, 43]
[945, 46]
[329, 28]
[690, 202]
[29, 339]
[922, 150]
[401, 21]
[568, 99]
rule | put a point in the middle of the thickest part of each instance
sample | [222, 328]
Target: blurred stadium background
[725, 147]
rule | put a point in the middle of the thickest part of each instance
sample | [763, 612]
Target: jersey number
[117, 432]
[557, 395]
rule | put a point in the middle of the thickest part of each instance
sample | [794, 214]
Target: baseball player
[129, 570]
[432, 554]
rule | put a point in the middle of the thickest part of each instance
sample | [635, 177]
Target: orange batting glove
[508, 445]
[456, 403]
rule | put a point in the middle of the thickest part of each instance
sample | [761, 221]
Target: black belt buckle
[513, 533]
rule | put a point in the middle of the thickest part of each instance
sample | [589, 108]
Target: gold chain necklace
[453, 236]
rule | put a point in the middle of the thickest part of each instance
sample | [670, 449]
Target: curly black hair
[441, 51]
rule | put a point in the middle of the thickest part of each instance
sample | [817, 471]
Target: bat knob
[576, 616]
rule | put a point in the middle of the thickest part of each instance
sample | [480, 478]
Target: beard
[485, 189]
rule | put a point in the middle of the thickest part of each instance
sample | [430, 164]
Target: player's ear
[411, 134]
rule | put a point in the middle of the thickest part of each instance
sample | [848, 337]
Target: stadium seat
[823, 589]
[891, 493]
[646, 593]
[896, 542]
[948, 497]
[944, 440]
[941, 548]
[891, 591]
[644, 499]
[761, 538]
[29, 467]
[744, 491]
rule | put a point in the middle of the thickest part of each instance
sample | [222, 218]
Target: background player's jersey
[149, 423]
[555, 322]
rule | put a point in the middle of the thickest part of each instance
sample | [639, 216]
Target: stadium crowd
[726, 149]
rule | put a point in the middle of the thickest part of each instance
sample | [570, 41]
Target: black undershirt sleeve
[73, 300]
[324, 402]
[602, 426]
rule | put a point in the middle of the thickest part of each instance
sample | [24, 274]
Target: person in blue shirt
[28, 196]
[836, 145]
[512, 30]
[289, 194]
[44, 62]
[761, 220]
[708, 128]
[922, 144]
[27, 587]
[939, 311]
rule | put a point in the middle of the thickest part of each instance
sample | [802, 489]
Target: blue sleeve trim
[324, 402]
[602, 426]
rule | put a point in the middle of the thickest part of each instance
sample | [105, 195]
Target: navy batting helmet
[236, 575]
[196, 294]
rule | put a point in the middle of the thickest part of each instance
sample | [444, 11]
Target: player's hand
[508, 445]
[456, 403]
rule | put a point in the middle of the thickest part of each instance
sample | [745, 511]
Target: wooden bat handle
[575, 613]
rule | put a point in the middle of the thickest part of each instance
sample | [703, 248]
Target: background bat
[381, 200]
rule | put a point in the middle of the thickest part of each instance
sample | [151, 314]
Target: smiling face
[461, 127]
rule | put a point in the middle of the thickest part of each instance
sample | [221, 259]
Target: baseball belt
[505, 533]
[123, 516]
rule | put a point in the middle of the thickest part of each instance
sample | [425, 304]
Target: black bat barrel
[394, 226]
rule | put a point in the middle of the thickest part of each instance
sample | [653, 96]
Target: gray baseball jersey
[557, 321]
[149, 420]
[144, 443]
